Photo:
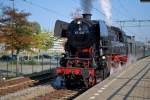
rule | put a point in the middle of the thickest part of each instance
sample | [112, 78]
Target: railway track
[20, 83]
[63, 94]
[37, 87]
[42, 92]
[13, 85]
[43, 77]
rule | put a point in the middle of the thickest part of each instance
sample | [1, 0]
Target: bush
[31, 62]
[26, 62]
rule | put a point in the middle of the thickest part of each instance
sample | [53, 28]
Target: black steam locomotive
[91, 49]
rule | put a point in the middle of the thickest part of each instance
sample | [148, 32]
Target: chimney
[87, 16]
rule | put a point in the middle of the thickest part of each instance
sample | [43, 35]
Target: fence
[15, 68]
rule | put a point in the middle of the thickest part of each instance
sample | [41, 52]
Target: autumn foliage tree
[43, 40]
[17, 33]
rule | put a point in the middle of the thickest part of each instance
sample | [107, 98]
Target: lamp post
[13, 8]
[12, 36]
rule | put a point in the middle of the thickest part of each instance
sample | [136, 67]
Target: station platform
[131, 83]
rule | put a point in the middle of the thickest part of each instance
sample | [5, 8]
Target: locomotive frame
[91, 49]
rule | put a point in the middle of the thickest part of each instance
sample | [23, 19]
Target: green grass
[31, 62]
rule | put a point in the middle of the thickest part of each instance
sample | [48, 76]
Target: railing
[14, 68]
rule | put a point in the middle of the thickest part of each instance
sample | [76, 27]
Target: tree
[36, 27]
[18, 31]
[20, 34]
[43, 40]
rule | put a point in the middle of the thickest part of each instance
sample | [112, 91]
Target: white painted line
[92, 97]
[96, 94]
[111, 82]
[103, 88]
[99, 91]
[117, 77]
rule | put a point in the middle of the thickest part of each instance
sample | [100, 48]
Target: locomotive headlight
[103, 57]
[78, 22]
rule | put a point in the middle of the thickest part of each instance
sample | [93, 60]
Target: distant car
[43, 56]
[8, 57]
[5, 58]
[46, 56]
[13, 57]
[25, 58]
[57, 57]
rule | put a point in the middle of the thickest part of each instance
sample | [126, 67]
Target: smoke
[116, 68]
[86, 6]
[106, 8]
[131, 59]
[76, 13]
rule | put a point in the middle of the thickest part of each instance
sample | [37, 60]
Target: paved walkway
[132, 83]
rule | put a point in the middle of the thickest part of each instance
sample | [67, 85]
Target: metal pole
[57, 61]
[50, 63]
[42, 63]
[32, 66]
[144, 51]
[7, 68]
[16, 68]
[21, 65]
[13, 8]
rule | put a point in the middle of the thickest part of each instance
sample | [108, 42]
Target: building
[58, 46]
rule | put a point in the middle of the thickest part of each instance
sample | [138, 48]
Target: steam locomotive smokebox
[81, 33]
[87, 16]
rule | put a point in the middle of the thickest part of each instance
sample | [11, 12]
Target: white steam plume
[86, 6]
[106, 8]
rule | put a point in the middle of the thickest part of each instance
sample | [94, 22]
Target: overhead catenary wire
[136, 26]
[99, 11]
[119, 12]
[138, 23]
[46, 9]
[133, 20]
[124, 8]
[130, 25]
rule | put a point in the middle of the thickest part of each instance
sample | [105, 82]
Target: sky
[46, 12]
